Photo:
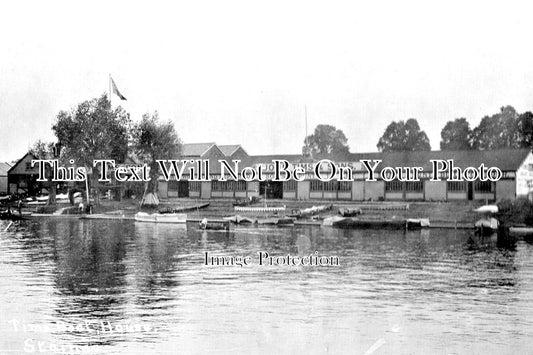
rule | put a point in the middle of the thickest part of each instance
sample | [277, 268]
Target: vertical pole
[306, 141]
[87, 190]
[110, 93]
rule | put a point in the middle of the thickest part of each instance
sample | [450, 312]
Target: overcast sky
[241, 72]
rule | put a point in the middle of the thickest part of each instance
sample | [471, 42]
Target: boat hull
[11, 217]
[311, 211]
[259, 209]
[239, 219]
[349, 212]
[161, 218]
[215, 226]
[486, 226]
[521, 231]
[354, 223]
[184, 209]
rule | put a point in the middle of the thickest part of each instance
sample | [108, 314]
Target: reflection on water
[138, 288]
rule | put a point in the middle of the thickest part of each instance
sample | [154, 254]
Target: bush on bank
[519, 211]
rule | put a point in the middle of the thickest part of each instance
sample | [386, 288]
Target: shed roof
[4, 168]
[30, 154]
[292, 158]
[196, 149]
[229, 149]
[505, 159]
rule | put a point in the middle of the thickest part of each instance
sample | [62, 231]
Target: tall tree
[47, 150]
[326, 139]
[43, 150]
[525, 129]
[497, 131]
[155, 140]
[93, 130]
[456, 135]
[403, 136]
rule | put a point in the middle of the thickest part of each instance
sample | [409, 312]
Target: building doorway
[274, 189]
[183, 188]
[470, 191]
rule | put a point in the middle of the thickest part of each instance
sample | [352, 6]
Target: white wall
[524, 177]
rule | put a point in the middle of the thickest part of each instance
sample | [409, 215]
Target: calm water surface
[118, 287]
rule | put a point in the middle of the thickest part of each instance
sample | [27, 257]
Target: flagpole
[110, 90]
[306, 139]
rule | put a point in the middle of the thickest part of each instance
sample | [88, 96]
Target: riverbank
[440, 214]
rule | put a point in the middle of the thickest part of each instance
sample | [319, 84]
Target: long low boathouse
[516, 166]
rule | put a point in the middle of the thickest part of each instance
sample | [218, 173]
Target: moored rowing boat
[161, 217]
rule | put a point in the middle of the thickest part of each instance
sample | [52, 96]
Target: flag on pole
[115, 90]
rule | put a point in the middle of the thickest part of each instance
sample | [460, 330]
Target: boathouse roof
[19, 168]
[4, 168]
[505, 159]
[196, 149]
[229, 150]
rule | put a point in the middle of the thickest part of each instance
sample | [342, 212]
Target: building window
[240, 185]
[316, 185]
[290, 185]
[229, 185]
[216, 185]
[328, 186]
[456, 186]
[331, 185]
[28, 166]
[173, 185]
[194, 185]
[483, 186]
[414, 186]
[345, 186]
[393, 186]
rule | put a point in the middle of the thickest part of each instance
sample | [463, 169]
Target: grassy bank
[517, 212]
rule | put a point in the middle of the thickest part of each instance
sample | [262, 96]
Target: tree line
[94, 130]
[505, 129]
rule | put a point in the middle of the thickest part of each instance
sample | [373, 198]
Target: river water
[119, 287]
